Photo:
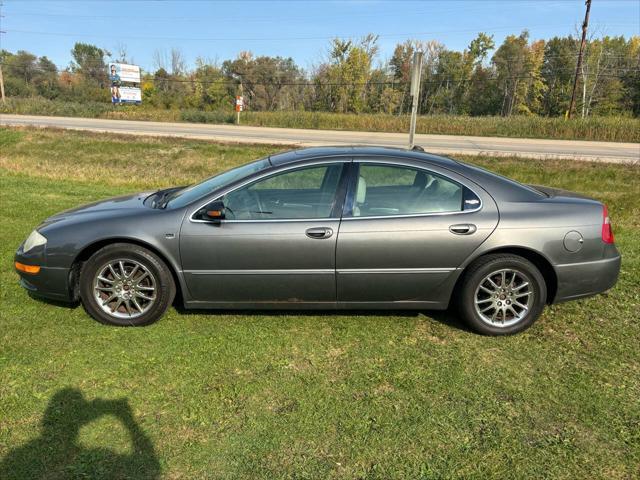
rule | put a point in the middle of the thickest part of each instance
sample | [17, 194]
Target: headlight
[33, 240]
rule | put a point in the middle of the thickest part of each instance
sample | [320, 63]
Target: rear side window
[386, 190]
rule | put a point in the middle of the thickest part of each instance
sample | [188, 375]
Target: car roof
[334, 151]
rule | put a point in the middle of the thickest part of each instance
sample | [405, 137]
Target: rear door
[406, 229]
[276, 244]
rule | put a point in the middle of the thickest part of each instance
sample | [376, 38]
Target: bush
[199, 116]
[613, 129]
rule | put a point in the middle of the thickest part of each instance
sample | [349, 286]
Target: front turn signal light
[32, 269]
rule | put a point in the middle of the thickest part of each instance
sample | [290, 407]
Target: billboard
[124, 73]
[120, 74]
[129, 95]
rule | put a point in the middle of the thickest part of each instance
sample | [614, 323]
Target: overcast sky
[218, 30]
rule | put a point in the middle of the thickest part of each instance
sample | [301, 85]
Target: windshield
[187, 195]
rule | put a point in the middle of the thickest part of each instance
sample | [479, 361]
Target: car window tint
[308, 178]
[304, 193]
[384, 190]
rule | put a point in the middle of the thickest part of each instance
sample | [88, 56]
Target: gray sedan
[329, 228]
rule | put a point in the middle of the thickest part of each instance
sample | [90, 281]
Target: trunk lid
[552, 192]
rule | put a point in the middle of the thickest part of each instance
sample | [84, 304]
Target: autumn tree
[517, 68]
[342, 82]
[89, 61]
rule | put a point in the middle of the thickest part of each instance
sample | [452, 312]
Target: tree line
[518, 77]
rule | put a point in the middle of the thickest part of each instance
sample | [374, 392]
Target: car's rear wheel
[126, 285]
[502, 294]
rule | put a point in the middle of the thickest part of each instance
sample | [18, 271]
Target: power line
[248, 18]
[247, 39]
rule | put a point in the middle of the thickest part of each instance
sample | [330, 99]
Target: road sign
[239, 103]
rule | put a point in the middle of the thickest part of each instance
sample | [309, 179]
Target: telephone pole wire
[583, 43]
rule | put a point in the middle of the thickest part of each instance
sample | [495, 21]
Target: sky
[218, 30]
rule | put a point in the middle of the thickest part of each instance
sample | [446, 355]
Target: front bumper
[578, 280]
[49, 282]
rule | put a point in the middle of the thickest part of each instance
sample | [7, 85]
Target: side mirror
[214, 212]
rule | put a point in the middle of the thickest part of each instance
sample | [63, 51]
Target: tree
[631, 77]
[480, 47]
[22, 65]
[343, 80]
[46, 80]
[523, 77]
[269, 82]
[515, 68]
[88, 60]
[557, 72]
[209, 89]
[610, 63]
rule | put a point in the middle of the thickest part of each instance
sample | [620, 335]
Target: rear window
[506, 179]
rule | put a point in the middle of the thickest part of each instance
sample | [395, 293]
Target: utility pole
[2, 86]
[1, 77]
[583, 43]
[416, 73]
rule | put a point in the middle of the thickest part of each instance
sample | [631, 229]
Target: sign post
[416, 73]
[239, 105]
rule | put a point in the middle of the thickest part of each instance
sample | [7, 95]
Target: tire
[146, 290]
[499, 311]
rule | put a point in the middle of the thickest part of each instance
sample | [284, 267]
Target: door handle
[463, 229]
[319, 232]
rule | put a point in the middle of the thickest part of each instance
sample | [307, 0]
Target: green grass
[310, 395]
[612, 129]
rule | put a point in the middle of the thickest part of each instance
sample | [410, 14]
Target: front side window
[304, 193]
[384, 190]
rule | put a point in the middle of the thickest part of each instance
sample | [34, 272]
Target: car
[329, 228]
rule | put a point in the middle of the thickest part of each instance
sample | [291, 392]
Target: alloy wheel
[124, 288]
[504, 297]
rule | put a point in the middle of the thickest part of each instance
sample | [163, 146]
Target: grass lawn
[234, 395]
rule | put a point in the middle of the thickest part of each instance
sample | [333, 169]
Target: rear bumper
[578, 280]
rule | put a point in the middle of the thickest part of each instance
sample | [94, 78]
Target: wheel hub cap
[124, 288]
[504, 297]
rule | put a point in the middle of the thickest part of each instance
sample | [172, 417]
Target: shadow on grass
[446, 317]
[57, 453]
[55, 303]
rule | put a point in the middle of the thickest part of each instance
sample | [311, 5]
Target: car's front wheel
[125, 284]
[502, 294]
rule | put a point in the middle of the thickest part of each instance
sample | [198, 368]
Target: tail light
[607, 231]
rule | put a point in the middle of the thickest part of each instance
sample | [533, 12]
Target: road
[441, 144]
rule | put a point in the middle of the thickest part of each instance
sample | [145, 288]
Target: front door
[276, 244]
[405, 232]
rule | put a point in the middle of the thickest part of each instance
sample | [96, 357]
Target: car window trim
[312, 163]
[347, 213]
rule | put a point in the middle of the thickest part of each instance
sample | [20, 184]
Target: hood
[125, 202]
